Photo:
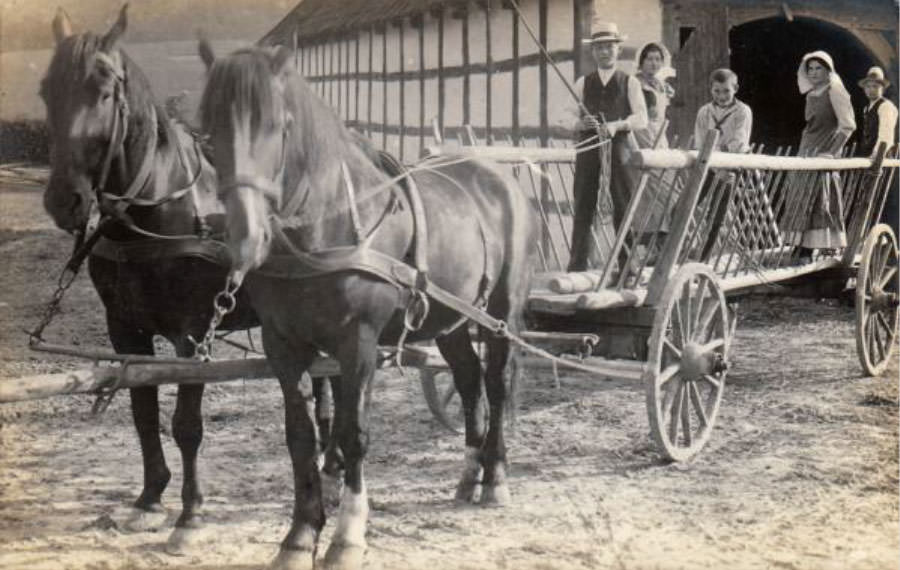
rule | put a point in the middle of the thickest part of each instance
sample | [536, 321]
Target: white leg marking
[352, 517]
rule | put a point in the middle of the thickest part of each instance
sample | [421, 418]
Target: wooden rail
[678, 159]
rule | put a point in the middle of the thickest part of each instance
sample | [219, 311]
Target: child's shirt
[733, 123]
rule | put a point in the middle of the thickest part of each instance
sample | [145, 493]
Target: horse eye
[105, 97]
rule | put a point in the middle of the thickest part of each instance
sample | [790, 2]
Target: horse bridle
[98, 214]
[268, 187]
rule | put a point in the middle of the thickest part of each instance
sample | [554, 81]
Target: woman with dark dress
[815, 220]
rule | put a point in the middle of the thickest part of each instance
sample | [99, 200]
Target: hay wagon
[655, 306]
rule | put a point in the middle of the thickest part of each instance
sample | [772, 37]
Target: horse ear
[62, 25]
[115, 32]
[280, 57]
[206, 51]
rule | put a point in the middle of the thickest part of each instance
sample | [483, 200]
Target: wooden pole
[401, 32]
[681, 221]
[441, 88]
[371, 72]
[489, 63]
[516, 71]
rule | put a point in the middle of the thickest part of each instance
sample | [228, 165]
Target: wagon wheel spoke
[689, 310]
[872, 333]
[712, 345]
[885, 249]
[686, 414]
[702, 290]
[712, 380]
[669, 373]
[882, 320]
[675, 415]
[682, 335]
[709, 312]
[668, 344]
[448, 395]
[698, 405]
[886, 279]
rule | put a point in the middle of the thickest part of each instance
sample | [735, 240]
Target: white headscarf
[840, 98]
[803, 81]
[665, 71]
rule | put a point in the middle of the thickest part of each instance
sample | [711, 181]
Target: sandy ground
[801, 472]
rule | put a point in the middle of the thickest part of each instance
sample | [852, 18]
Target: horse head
[248, 120]
[83, 95]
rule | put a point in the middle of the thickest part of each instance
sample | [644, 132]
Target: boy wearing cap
[612, 101]
[879, 125]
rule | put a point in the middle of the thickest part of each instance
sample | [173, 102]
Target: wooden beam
[402, 98]
[467, 86]
[356, 69]
[347, 79]
[543, 11]
[489, 60]
[681, 159]
[515, 77]
[421, 30]
[371, 63]
[681, 219]
[384, 97]
[442, 97]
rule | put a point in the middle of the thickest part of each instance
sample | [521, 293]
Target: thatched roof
[316, 18]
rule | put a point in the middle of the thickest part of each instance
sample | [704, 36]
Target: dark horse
[276, 143]
[114, 150]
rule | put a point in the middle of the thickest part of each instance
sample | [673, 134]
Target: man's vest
[869, 135]
[610, 100]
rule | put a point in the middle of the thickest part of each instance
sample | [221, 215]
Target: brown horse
[287, 166]
[113, 150]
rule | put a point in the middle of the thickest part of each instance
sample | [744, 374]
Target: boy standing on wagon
[734, 120]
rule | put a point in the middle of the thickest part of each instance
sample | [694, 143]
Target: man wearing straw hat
[611, 104]
[879, 115]
[879, 125]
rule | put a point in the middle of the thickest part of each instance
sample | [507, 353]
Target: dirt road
[801, 472]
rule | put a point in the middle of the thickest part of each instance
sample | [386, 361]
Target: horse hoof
[467, 493]
[332, 487]
[185, 540]
[293, 560]
[495, 495]
[344, 557]
[146, 520]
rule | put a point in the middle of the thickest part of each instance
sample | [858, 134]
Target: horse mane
[240, 84]
[72, 64]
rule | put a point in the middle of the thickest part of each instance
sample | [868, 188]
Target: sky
[25, 24]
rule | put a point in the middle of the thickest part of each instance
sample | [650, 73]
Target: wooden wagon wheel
[442, 398]
[687, 362]
[876, 300]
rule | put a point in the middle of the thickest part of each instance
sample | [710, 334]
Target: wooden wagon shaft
[96, 378]
[686, 158]
[505, 153]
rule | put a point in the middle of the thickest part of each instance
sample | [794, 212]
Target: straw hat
[875, 75]
[604, 32]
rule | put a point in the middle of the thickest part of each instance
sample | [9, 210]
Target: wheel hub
[882, 299]
[696, 363]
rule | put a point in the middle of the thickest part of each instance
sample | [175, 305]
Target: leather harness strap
[145, 250]
[300, 264]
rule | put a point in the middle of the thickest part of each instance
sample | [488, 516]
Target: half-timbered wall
[473, 65]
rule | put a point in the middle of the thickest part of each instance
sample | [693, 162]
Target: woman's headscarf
[840, 98]
[659, 82]
[803, 81]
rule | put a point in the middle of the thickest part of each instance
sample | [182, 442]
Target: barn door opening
[697, 35]
[766, 54]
